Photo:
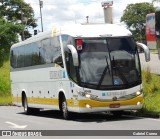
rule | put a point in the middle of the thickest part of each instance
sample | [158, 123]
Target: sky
[62, 12]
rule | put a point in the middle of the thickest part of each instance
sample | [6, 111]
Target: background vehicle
[79, 68]
[150, 31]
[157, 18]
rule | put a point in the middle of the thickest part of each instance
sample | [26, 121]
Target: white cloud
[75, 11]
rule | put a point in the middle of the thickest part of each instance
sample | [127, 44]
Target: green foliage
[8, 33]
[18, 11]
[5, 80]
[151, 104]
[151, 90]
[8, 36]
[7, 100]
[153, 51]
[147, 75]
[5, 91]
[135, 18]
[15, 17]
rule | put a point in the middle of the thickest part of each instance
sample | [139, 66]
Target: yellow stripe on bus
[79, 103]
[46, 101]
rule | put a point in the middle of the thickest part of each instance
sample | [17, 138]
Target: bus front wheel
[64, 109]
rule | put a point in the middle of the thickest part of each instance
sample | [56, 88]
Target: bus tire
[25, 105]
[64, 109]
[28, 110]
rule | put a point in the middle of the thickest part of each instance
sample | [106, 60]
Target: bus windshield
[109, 63]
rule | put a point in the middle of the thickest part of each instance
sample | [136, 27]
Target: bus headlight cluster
[81, 93]
[87, 94]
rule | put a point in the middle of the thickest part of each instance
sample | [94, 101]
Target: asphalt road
[153, 64]
[13, 118]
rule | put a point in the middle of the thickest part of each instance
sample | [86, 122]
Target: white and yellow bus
[78, 68]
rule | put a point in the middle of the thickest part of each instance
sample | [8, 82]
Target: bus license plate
[114, 105]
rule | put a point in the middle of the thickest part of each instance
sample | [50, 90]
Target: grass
[5, 100]
[153, 51]
[151, 90]
[5, 91]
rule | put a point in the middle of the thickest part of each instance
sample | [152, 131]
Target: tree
[8, 36]
[134, 17]
[15, 17]
[18, 11]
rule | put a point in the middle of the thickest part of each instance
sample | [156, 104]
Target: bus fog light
[88, 106]
[138, 103]
[138, 93]
[88, 96]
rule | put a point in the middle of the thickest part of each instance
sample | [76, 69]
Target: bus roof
[78, 30]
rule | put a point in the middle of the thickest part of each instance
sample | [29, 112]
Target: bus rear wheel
[28, 110]
[25, 105]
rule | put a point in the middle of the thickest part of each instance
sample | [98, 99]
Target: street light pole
[41, 6]
[23, 35]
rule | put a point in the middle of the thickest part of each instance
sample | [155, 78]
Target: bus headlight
[138, 93]
[138, 103]
[88, 106]
[88, 96]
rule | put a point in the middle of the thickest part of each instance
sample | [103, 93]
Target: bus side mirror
[146, 51]
[74, 55]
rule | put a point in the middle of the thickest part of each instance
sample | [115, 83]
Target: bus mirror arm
[146, 51]
[74, 54]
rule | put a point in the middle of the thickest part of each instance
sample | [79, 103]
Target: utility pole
[41, 6]
[87, 17]
[23, 36]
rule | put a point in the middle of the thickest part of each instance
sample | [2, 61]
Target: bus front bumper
[87, 106]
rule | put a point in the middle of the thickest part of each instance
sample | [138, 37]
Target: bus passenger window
[35, 54]
[12, 59]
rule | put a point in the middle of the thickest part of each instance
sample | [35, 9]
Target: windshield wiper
[104, 73]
